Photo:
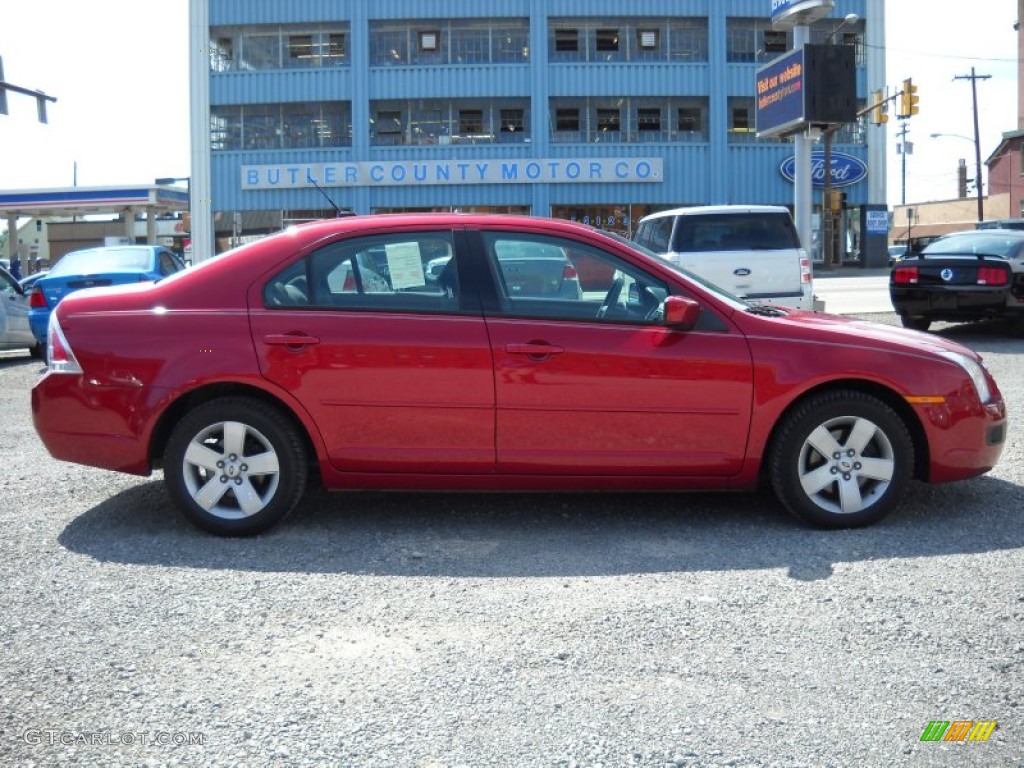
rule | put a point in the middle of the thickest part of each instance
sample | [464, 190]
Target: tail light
[905, 275]
[59, 357]
[805, 271]
[992, 276]
[569, 272]
[36, 299]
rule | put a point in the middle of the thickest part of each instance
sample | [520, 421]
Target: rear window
[981, 243]
[102, 260]
[735, 232]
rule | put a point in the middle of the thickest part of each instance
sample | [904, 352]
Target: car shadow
[544, 535]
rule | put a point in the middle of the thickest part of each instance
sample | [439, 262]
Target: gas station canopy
[83, 201]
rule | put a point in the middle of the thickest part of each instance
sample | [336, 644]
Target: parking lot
[507, 630]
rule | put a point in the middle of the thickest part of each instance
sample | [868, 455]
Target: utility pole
[905, 148]
[977, 141]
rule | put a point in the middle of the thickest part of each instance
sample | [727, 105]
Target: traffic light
[908, 99]
[879, 107]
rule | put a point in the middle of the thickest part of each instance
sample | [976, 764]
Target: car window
[8, 285]
[545, 277]
[1006, 246]
[398, 272]
[656, 233]
[97, 260]
[734, 232]
[167, 265]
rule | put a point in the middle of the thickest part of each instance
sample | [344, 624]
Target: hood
[864, 333]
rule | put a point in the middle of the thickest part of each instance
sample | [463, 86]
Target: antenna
[337, 211]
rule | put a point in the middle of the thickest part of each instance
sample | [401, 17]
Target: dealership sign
[603, 170]
[846, 169]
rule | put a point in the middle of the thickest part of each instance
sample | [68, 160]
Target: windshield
[98, 260]
[718, 291]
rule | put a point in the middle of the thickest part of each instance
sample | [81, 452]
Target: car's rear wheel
[841, 460]
[235, 466]
[916, 322]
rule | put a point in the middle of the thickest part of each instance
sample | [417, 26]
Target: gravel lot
[506, 630]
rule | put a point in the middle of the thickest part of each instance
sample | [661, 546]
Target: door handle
[290, 340]
[534, 349]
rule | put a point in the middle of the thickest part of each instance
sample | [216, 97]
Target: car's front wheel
[842, 459]
[235, 466]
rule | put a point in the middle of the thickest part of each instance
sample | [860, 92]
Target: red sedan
[326, 347]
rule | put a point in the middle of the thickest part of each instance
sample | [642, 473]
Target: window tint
[168, 264]
[402, 272]
[7, 284]
[103, 260]
[993, 245]
[734, 232]
[545, 277]
[656, 233]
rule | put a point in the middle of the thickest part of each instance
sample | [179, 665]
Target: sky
[119, 69]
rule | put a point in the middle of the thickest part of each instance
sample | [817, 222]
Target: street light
[977, 167]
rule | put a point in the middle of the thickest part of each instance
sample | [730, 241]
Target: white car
[752, 251]
[14, 330]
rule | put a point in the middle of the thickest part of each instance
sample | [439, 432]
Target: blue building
[584, 110]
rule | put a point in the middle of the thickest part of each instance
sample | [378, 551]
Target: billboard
[813, 85]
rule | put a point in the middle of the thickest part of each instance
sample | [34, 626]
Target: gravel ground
[506, 630]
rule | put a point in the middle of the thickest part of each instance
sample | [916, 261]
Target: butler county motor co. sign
[605, 170]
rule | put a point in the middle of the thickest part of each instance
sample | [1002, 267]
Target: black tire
[916, 322]
[842, 459]
[249, 453]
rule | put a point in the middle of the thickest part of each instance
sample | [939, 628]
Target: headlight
[975, 370]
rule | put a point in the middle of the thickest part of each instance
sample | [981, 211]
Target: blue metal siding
[712, 171]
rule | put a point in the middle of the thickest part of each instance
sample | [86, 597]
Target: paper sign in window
[405, 265]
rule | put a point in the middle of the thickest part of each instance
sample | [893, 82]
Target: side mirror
[681, 312]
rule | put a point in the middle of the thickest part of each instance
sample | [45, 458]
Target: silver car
[14, 330]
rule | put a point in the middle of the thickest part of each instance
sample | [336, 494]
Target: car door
[14, 330]
[597, 384]
[395, 368]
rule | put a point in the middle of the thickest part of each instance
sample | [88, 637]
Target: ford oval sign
[846, 169]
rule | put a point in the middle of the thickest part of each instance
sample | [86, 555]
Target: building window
[688, 40]
[741, 120]
[567, 40]
[606, 40]
[430, 40]
[512, 121]
[647, 39]
[388, 127]
[335, 48]
[648, 119]
[608, 120]
[300, 49]
[739, 41]
[567, 119]
[688, 120]
[471, 121]
[775, 42]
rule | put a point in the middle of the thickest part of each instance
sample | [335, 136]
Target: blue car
[94, 267]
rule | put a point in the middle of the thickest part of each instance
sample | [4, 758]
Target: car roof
[699, 210]
[969, 233]
[126, 247]
[378, 221]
